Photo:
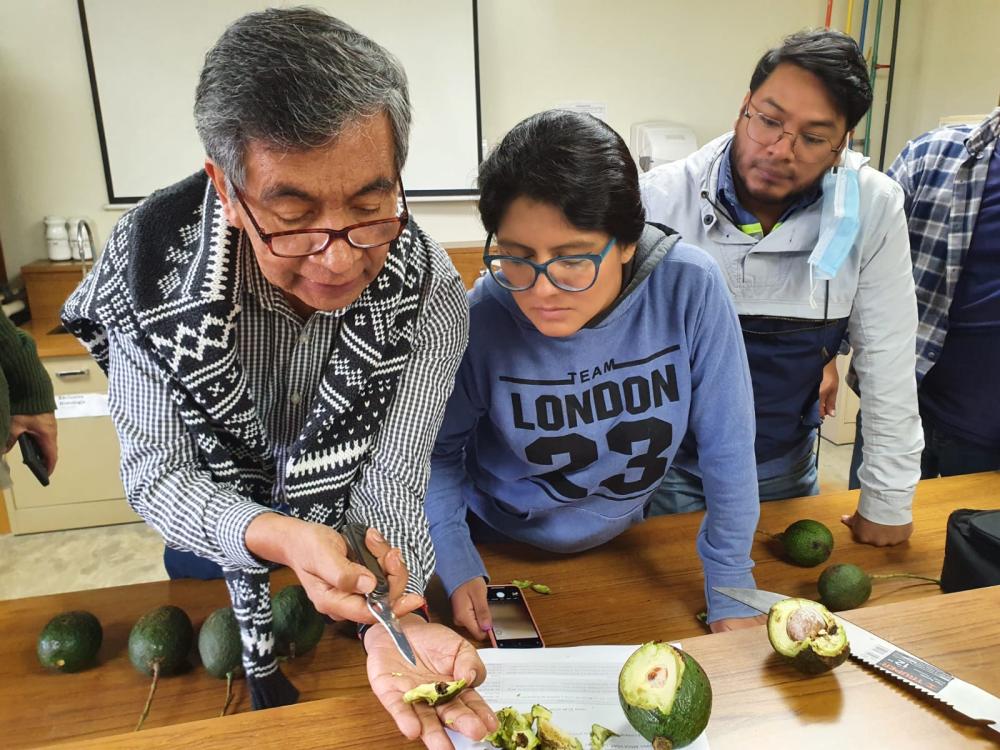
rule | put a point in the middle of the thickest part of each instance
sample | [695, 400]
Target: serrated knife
[378, 600]
[885, 656]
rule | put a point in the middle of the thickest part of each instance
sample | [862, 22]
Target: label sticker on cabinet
[76, 405]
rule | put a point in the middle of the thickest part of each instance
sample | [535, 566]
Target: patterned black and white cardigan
[170, 280]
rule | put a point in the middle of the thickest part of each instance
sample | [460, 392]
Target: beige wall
[646, 59]
[947, 63]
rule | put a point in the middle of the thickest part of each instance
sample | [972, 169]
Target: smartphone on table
[513, 625]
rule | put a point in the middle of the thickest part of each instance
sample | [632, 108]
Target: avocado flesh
[553, 738]
[514, 731]
[70, 641]
[844, 586]
[807, 635]
[219, 643]
[665, 694]
[599, 735]
[433, 693]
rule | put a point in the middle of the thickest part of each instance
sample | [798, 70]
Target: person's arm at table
[459, 565]
[882, 330]
[722, 423]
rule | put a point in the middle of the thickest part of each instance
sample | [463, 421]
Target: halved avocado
[665, 694]
[433, 693]
[807, 635]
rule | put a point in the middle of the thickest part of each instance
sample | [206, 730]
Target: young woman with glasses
[598, 343]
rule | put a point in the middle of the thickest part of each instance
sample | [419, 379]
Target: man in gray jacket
[813, 244]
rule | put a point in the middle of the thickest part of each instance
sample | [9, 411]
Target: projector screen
[145, 57]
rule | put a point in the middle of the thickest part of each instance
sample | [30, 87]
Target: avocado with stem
[847, 586]
[159, 644]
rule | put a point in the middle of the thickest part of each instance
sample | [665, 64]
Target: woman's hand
[469, 609]
[737, 623]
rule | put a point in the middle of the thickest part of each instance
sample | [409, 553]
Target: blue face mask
[839, 222]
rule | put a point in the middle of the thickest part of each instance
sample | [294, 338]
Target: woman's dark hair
[568, 160]
[831, 56]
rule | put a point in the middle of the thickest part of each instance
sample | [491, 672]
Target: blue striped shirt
[942, 174]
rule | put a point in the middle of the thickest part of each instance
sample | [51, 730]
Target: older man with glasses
[280, 340]
[813, 245]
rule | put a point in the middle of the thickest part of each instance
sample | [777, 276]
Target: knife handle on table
[355, 533]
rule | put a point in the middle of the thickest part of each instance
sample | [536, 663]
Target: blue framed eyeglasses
[572, 273]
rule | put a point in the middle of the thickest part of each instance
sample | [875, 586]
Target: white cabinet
[85, 489]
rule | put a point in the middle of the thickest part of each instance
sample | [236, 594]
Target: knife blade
[378, 598]
[888, 658]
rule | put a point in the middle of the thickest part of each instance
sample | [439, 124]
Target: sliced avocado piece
[554, 738]
[807, 635]
[538, 711]
[433, 693]
[70, 641]
[514, 731]
[298, 627]
[521, 583]
[665, 695]
[541, 588]
[807, 542]
[599, 735]
[844, 586]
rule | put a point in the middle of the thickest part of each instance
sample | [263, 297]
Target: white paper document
[579, 685]
[75, 405]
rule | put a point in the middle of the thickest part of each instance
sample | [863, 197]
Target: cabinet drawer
[75, 375]
[88, 467]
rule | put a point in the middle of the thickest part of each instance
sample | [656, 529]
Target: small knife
[877, 652]
[378, 599]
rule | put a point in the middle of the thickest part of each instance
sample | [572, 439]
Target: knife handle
[355, 533]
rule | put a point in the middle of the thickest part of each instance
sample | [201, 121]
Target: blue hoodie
[559, 442]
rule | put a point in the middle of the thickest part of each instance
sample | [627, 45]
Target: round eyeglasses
[767, 131]
[298, 243]
[573, 273]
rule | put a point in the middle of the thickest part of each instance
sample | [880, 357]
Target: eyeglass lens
[569, 274]
[306, 243]
[768, 131]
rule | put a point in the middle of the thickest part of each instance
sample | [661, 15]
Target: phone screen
[513, 626]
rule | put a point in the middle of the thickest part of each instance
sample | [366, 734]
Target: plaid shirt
[942, 173]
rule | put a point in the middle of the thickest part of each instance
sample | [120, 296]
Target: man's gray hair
[294, 79]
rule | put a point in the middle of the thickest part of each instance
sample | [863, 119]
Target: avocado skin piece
[219, 643]
[70, 641]
[807, 543]
[689, 715]
[808, 660]
[162, 636]
[298, 627]
[844, 586]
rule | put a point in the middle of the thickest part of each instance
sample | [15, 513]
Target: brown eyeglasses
[298, 243]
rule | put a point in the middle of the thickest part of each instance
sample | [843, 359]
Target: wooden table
[644, 585]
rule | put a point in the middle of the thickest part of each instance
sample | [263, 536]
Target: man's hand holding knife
[343, 589]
